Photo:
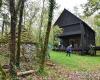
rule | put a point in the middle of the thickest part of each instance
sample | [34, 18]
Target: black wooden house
[75, 31]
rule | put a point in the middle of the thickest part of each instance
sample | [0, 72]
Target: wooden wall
[89, 36]
[72, 29]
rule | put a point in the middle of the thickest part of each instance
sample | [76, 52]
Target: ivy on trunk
[50, 17]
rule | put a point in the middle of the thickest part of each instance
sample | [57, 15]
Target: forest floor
[62, 67]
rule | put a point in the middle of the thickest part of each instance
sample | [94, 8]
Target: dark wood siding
[89, 36]
[82, 41]
[72, 29]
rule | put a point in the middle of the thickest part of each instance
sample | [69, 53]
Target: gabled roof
[67, 18]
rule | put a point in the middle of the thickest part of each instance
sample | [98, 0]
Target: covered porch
[74, 39]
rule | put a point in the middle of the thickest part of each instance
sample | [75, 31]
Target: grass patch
[76, 62]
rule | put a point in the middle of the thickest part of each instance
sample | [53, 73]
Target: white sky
[70, 4]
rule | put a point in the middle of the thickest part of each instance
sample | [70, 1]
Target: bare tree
[41, 21]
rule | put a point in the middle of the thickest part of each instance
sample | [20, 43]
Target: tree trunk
[13, 37]
[19, 34]
[13, 12]
[25, 73]
[0, 3]
[50, 16]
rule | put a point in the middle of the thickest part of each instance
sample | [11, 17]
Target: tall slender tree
[41, 21]
[50, 17]
[13, 11]
[19, 33]
[13, 36]
[0, 3]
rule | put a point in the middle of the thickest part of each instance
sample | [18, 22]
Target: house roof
[67, 18]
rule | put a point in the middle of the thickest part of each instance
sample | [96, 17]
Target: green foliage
[27, 36]
[97, 20]
[56, 32]
[4, 39]
[2, 73]
[91, 6]
[97, 25]
[41, 73]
